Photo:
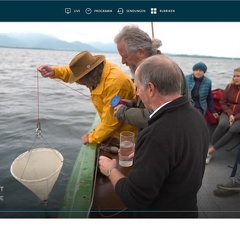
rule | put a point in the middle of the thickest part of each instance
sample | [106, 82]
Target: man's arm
[137, 117]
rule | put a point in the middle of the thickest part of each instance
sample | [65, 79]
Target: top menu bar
[117, 0]
[77, 11]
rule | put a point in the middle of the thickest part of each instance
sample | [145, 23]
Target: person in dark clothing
[169, 160]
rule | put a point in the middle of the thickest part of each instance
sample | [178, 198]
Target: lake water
[65, 115]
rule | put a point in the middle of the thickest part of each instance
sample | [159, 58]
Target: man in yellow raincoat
[104, 80]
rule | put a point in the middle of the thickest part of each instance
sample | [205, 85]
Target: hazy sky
[203, 38]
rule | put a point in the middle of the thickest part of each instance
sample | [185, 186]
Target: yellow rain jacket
[113, 82]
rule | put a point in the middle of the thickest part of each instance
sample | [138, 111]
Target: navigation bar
[70, 11]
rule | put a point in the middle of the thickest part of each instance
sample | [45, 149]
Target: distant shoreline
[103, 51]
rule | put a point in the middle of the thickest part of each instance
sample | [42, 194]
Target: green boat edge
[78, 196]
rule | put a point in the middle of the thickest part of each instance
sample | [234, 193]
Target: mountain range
[42, 41]
[48, 42]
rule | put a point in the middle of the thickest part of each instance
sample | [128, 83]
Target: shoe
[232, 185]
[209, 157]
[224, 193]
[220, 185]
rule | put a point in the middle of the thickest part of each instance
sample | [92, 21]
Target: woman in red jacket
[229, 124]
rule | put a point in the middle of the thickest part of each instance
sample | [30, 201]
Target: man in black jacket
[170, 152]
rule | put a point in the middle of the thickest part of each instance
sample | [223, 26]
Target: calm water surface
[65, 116]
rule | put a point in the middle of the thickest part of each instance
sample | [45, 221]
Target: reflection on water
[65, 116]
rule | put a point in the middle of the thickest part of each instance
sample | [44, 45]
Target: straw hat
[82, 64]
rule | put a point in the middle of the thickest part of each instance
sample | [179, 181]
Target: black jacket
[169, 164]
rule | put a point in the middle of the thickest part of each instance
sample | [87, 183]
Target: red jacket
[230, 101]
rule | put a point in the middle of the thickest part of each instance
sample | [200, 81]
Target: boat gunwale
[78, 196]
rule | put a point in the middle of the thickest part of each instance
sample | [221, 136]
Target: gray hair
[136, 38]
[162, 72]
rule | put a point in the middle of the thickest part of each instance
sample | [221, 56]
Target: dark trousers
[237, 161]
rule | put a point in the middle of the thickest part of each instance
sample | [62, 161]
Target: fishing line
[87, 96]
[38, 129]
[60, 82]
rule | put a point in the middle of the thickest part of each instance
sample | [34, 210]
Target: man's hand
[46, 71]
